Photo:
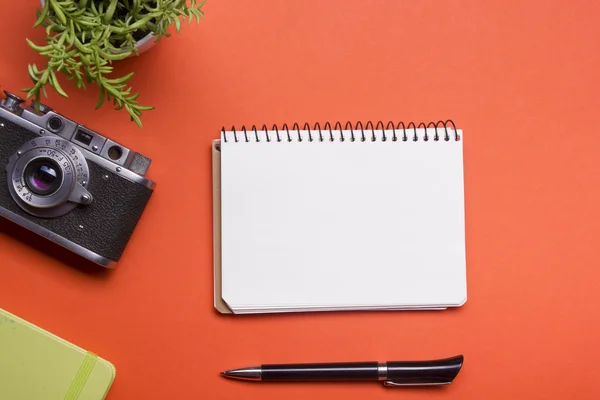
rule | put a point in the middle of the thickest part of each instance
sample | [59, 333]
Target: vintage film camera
[69, 184]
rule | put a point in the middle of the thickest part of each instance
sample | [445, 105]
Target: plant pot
[144, 44]
[141, 45]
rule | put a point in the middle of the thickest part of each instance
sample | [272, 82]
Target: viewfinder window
[83, 137]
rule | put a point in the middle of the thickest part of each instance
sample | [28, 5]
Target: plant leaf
[110, 11]
[134, 117]
[32, 73]
[111, 90]
[37, 48]
[56, 85]
[44, 78]
[58, 11]
[81, 47]
[120, 80]
[42, 15]
[100, 99]
[141, 22]
[63, 36]
[112, 56]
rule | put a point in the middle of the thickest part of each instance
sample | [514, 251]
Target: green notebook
[37, 365]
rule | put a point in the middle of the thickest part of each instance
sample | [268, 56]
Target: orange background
[520, 77]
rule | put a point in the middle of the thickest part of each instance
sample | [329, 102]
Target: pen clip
[423, 373]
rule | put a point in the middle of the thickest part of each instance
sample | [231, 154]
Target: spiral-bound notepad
[339, 217]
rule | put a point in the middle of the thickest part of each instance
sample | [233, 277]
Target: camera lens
[48, 177]
[43, 176]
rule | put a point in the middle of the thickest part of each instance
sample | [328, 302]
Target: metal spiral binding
[357, 132]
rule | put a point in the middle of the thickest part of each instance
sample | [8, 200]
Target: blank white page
[339, 224]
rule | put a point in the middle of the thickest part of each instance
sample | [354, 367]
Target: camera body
[69, 184]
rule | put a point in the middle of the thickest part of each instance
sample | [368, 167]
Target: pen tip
[249, 374]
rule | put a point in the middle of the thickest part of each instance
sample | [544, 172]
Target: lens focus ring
[44, 173]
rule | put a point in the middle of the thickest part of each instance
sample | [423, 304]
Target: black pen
[392, 373]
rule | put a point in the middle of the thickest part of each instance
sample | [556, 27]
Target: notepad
[38, 365]
[339, 218]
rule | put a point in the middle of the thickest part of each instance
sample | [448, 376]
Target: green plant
[84, 38]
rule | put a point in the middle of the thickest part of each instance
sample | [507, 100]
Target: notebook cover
[219, 304]
[37, 365]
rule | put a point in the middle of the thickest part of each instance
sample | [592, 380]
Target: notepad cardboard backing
[219, 304]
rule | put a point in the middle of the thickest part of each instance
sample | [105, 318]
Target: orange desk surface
[520, 77]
